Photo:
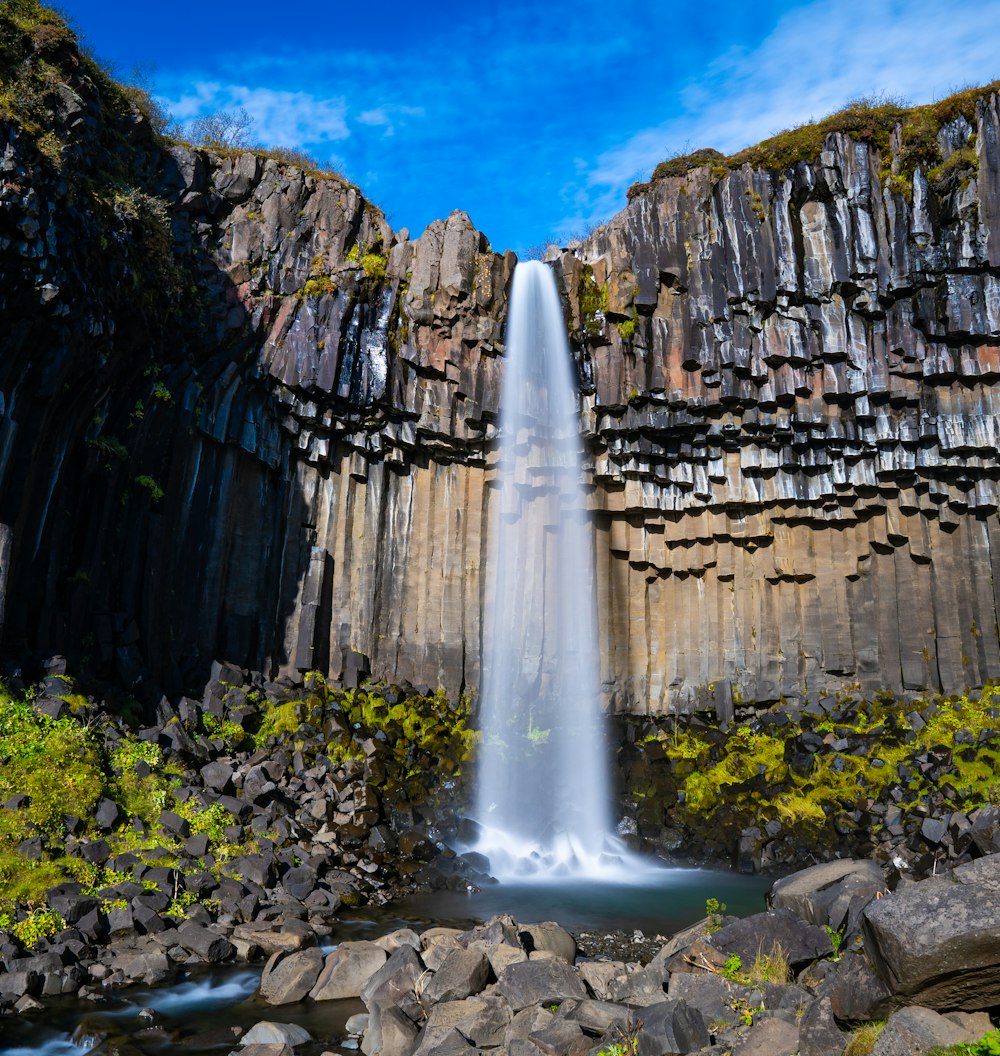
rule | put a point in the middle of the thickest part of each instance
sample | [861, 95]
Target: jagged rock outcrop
[241, 417]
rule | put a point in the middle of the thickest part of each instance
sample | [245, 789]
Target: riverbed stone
[539, 983]
[769, 1036]
[764, 933]
[482, 1020]
[461, 974]
[395, 982]
[669, 1028]
[288, 977]
[822, 893]
[819, 1034]
[208, 945]
[548, 936]
[445, 1041]
[917, 1029]
[937, 943]
[347, 970]
[268, 1033]
[389, 1032]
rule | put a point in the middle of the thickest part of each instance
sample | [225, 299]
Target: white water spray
[543, 796]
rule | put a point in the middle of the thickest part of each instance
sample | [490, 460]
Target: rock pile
[835, 952]
[308, 819]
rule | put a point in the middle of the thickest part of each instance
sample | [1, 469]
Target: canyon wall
[242, 418]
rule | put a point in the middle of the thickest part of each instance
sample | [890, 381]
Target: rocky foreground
[837, 964]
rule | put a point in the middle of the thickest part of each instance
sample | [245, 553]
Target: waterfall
[543, 796]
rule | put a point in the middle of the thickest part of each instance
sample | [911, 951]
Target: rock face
[242, 417]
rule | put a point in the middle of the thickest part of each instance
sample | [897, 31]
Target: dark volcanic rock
[288, 977]
[764, 932]
[670, 1027]
[539, 983]
[937, 943]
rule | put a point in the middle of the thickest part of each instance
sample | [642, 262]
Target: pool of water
[205, 1006]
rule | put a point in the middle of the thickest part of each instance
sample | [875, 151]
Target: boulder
[395, 982]
[347, 971]
[273, 938]
[482, 1020]
[539, 983]
[548, 936]
[441, 1042]
[819, 1034]
[389, 1032]
[763, 933]
[937, 943]
[288, 977]
[822, 893]
[461, 974]
[918, 1030]
[206, 944]
[769, 1036]
[855, 990]
[561, 1037]
[670, 1028]
[268, 1033]
[713, 996]
[983, 872]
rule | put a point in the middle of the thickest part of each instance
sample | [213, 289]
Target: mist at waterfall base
[543, 797]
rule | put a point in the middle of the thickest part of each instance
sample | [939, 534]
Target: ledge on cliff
[906, 136]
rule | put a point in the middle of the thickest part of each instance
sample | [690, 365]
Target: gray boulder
[915, 1030]
[540, 982]
[855, 990]
[444, 1042]
[482, 1020]
[769, 1036]
[347, 971]
[462, 974]
[548, 936]
[670, 1028]
[395, 983]
[819, 1034]
[763, 933]
[268, 1033]
[822, 893]
[937, 943]
[208, 945]
[389, 1032]
[288, 977]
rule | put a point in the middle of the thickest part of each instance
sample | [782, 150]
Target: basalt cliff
[242, 418]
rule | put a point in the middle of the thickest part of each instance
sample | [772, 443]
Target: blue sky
[533, 117]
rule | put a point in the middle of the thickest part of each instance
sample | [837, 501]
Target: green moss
[148, 483]
[626, 327]
[593, 302]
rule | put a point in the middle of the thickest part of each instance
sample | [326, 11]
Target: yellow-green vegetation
[863, 749]
[871, 121]
[863, 1039]
[988, 1045]
[770, 967]
[626, 327]
[593, 302]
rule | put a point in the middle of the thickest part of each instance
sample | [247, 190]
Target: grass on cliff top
[870, 121]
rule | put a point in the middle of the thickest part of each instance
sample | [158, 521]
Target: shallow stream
[205, 1006]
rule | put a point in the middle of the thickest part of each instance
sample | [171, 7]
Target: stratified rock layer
[241, 417]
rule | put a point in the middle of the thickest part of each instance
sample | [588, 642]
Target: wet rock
[208, 945]
[268, 1033]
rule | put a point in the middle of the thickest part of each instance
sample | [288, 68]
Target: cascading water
[543, 797]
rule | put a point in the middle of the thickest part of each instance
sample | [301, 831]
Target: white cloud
[816, 59]
[281, 118]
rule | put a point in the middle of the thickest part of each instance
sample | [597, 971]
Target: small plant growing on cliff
[733, 968]
[836, 941]
[863, 1039]
[155, 491]
[714, 911]
[37, 925]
